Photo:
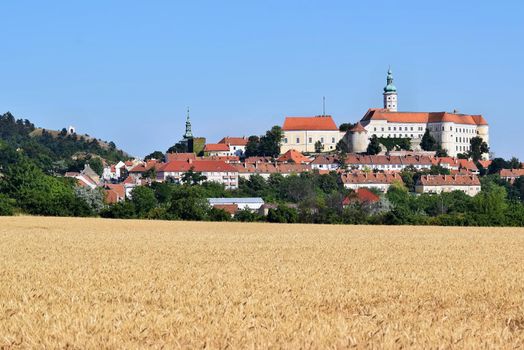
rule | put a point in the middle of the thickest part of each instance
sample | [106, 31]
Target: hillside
[55, 151]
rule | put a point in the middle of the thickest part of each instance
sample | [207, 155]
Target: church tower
[188, 134]
[390, 94]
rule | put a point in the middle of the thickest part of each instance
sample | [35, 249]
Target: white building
[215, 171]
[252, 203]
[302, 133]
[453, 131]
[359, 179]
[237, 145]
[469, 184]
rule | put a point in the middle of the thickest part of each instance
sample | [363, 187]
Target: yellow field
[91, 283]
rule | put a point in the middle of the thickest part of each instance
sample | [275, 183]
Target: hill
[54, 151]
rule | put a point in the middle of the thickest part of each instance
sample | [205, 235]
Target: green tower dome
[390, 87]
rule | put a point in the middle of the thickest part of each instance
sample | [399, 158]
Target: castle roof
[422, 117]
[321, 122]
[358, 128]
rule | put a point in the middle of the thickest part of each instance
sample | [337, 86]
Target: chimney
[190, 161]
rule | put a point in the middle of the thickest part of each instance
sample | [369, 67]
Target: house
[86, 178]
[139, 170]
[215, 171]
[114, 193]
[237, 145]
[217, 149]
[113, 172]
[253, 203]
[293, 156]
[231, 209]
[511, 175]
[326, 162]
[359, 179]
[361, 196]
[469, 184]
[179, 156]
[245, 170]
[302, 133]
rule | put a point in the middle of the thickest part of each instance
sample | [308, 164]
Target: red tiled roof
[270, 168]
[179, 156]
[467, 164]
[511, 172]
[117, 188]
[358, 128]
[228, 208]
[199, 166]
[309, 123]
[453, 180]
[423, 117]
[235, 141]
[359, 177]
[216, 147]
[362, 195]
[325, 159]
[227, 159]
[294, 156]
[485, 163]
[258, 160]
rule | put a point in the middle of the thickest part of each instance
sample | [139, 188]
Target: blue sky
[125, 71]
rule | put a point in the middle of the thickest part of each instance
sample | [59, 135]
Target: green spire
[188, 134]
[390, 87]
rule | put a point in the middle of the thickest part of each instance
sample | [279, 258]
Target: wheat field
[93, 283]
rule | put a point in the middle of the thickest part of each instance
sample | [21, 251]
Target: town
[367, 156]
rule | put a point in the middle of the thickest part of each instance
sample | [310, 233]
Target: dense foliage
[266, 145]
[317, 198]
[55, 152]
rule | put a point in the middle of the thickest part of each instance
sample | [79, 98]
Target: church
[453, 131]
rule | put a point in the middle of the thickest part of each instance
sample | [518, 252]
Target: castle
[453, 131]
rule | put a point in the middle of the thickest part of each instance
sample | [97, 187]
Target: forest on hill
[56, 152]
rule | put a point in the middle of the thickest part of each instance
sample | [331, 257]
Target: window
[389, 128]
[394, 128]
[382, 129]
[285, 140]
[375, 129]
[310, 140]
[411, 130]
[333, 139]
[322, 139]
[298, 140]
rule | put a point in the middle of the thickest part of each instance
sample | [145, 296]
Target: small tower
[390, 94]
[358, 139]
[188, 134]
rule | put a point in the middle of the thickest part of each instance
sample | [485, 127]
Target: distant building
[250, 203]
[469, 184]
[453, 131]
[216, 171]
[302, 133]
[359, 179]
[237, 145]
[511, 175]
[217, 149]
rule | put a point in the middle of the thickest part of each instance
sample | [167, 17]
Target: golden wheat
[93, 283]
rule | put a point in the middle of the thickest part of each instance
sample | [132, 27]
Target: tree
[94, 198]
[155, 155]
[179, 147]
[282, 214]
[253, 143]
[374, 146]
[344, 127]
[319, 147]
[428, 142]
[192, 178]
[215, 214]
[270, 142]
[97, 165]
[143, 199]
[496, 165]
[477, 148]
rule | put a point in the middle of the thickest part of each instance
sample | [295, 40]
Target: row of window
[462, 148]
[310, 140]
[394, 128]
[413, 136]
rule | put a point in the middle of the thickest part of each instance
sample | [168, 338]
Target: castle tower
[358, 142]
[390, 94]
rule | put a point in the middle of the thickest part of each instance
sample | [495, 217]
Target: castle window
[298, 140]
[322, 139]
[382, 129]
[285, 140]
[310, 140]
[333, 139]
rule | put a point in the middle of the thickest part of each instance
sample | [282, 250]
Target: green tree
[282, 214]
[96, 164]
[155, 155]
[319, 147]
[374, 146]
[144, 200]
[477, 148]
[270, 142]
[252, 146]
[192, 177]
[428, 142]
